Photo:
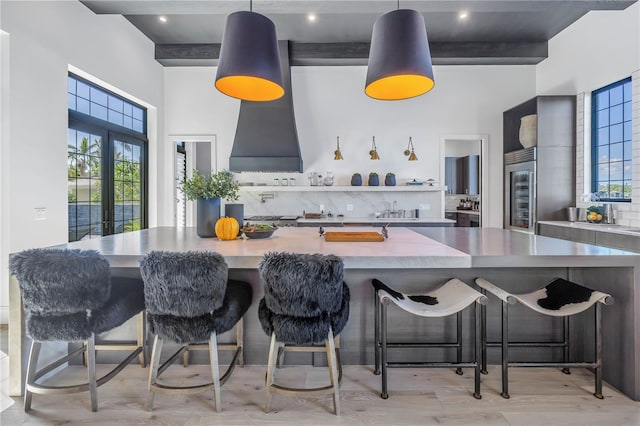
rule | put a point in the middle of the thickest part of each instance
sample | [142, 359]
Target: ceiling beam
[301, 54]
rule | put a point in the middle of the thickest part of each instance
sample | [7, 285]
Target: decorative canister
[529, 130]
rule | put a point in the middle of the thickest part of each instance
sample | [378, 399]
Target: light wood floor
[417, 397]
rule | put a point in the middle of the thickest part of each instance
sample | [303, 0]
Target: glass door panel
[521, 202]
[128, 184]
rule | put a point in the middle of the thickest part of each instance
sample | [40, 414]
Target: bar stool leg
[376, 331]
[273, 354]
[240, 340]
[598, 324]
[91, 358]
[185, 356]
[477, 350]
[505, 350]
[483, 323]
[154, 364]
[215, 372]
[31, 372]
[333, 371]
[565, 336]
[142, 358]
[383, 326]
[459, 341]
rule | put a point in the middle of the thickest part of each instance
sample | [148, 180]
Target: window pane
[627, 169]
[98, 96]
[603, 154]
[615, 189]
[71, 85]
[627, 131]
[127, 122]
[615, 133]
[603, 172]
[71, 140]
[135, 153]
[115, 117]
[602, 100]
[71, 101]
[82, 105]
[83, 188]
[603, 118]
[627, 91]
[96, 190]
[71, 192]
[603, 189]
[627, 111]
[615, 170]
[137, 125]
[627, 189]
[82, 90]
[615, 115]
[615, 96]
[71, 166]
[603, 136]
[98, 111]
[115, 104]
[615, 152]
[627, 150]
[117, 151]
[96, 146]
[137, 113]
[127, 109]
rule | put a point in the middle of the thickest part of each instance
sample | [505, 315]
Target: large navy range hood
[266, 137]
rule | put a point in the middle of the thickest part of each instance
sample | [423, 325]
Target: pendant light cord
[251, 5]
[398, 6]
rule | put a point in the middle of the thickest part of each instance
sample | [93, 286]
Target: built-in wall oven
[520, 190]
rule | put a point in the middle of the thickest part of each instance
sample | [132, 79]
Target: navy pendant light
[399, 58]
[249, 65]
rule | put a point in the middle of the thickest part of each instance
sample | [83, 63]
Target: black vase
[374, 180]
[390, 181]
[356, 180]
[207, 215]
[235, 211]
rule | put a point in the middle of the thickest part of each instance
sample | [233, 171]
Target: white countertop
[600, 227]
[436, 247]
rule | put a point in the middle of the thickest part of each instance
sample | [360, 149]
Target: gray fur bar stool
[69, 295]
[450, 298]
[559, 298]
[306, 302]
[190, 300]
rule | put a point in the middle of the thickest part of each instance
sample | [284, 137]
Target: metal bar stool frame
[381, 344]
[507, 299]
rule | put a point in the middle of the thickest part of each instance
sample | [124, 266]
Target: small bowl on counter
[256, 232]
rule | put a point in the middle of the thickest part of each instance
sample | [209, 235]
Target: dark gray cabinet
[450, 178]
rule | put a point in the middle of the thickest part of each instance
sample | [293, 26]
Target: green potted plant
[374, 180]
[390, 179]
[207, 190]
[356, 179]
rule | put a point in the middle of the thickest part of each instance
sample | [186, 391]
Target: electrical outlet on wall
[349, 207]
[41, 213]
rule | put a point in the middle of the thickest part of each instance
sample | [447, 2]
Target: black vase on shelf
[235, 211]
[390, 180]
[208, 213]
[374, 180]
[356, 179]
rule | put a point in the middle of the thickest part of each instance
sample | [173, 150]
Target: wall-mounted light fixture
[337, 153]
[409, 151]
[399, 57]
[249, 65]
[374, 151]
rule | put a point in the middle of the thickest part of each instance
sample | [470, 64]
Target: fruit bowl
[595, 214]
[256, 232]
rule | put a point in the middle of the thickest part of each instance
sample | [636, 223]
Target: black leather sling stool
[559, 298]
[450, 298]
[70, 296]
[306, 303]
[190, 300]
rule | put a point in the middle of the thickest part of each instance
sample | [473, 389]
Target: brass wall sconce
[409, 151]
[337, 153]
[374, 151]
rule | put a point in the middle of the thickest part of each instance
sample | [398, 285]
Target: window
[106, 159]
[611, 142]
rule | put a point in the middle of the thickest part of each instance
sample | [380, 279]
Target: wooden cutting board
[353, 237]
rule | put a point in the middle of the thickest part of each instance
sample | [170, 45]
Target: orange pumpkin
[227, 228]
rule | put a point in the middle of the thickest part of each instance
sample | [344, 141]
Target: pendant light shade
[374, 150]
[409, 151]
[249, 66]
[399, 58]
[337, 153]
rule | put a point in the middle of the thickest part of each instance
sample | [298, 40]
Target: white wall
[45, 39]
[330, 102]
[599, 49]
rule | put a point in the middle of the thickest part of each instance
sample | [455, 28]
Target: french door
[106, 181]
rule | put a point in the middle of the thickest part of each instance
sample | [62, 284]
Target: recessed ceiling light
[463, 15]
[311, 17]
[163, 19]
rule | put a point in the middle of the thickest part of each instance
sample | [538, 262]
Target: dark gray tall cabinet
[555, 152]
[462, 174]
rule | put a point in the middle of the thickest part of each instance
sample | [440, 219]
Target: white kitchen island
[412, 262]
